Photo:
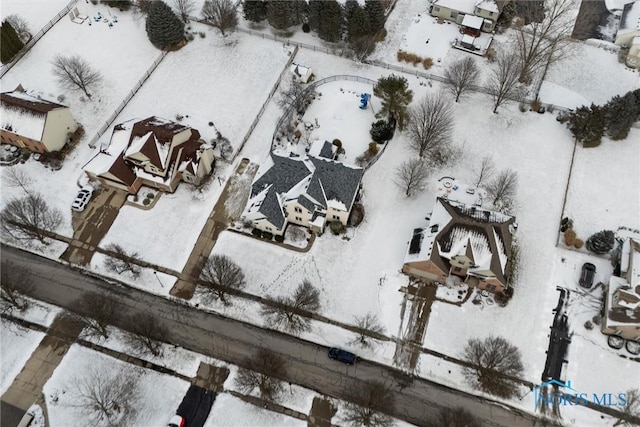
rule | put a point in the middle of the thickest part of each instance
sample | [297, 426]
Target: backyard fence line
[27, 47]
[126, 100]
[266, 102]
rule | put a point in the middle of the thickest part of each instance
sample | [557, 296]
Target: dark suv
[587, 275]
[342, 355]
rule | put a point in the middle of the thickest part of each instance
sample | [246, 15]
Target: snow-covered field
[16, 345]
[604, 189]
[230, 411]
[35, 12]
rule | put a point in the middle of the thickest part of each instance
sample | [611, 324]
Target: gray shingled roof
[271, 209]
[285, 173]
[326, 150]
[338, 181]
[306, 203]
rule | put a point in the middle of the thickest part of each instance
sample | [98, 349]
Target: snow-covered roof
[630, 20]
[488, 5]
[468, 6]
[25, 113]
[320, 148]
[471, 21]
[299, 70]
[616, 5]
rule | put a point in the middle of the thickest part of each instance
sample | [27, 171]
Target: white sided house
[153, 152]
[488, 12]
[628, 35]
[310, 191]
[462, 243]
[622, 295]
[33, 123]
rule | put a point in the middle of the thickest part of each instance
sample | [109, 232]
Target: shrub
[601, 242]
[306, 28]
[570, 237]
[588, 325]
[536, 105]
[202, 34]
[381, 131]
[210, 123]
[146, 202]
[179, 117]
[502, 298]
[150, 196]
[266, 235]
[597, 319]
[336, 227]
[337, 143]
[373, 148]
[297, 133]
[380, 35]
[578, 244]
[357, 215]
[190, 37]
[427, 63]
[61, 98]
[122, 5]
[256, 232]
[279, 239]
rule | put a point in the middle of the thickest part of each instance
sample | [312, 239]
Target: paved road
[417, 400]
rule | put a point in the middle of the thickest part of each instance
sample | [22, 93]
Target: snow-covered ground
[604, 189]
[37, 13]
[230, 411]
[16, 345]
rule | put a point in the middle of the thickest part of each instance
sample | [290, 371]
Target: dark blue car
[342, 355]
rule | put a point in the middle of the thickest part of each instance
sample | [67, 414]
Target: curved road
[417, 400]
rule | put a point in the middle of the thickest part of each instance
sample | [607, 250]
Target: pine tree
[375, 11]
[164, 28]
[298, 10]
[315, 10]
[396, 96]
[620, 114]
[358, 23]
[601, 242]
[587, 125]
[348, 8]
[330, 28]
[279, 14]
[10, 43]
[254, 10]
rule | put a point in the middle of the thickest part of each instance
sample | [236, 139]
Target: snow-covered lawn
[38, 312]
[229, 411]
[157, 400]
[604, 189]
[16, 345]
[35, 12]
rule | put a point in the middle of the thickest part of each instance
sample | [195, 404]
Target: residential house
[31, 122]
[456, 10]
[310, 191]
[464, 243]
[153, 152]
[622, 295]
[628, 34]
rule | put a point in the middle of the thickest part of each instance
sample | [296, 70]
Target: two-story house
[456, 10]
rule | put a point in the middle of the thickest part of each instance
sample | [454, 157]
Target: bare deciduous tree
[503, 187]
[74, 73]
[17, 178]
[369, 405]
[146, 334]
[184, 8]
[503, 81]
[461, 76]
[29, 218]
[631, 409]
[484, 170]
[15, 281]
[220, 274]
[493, 359]
[545, 38]
[262, 372]
[297, 95]
[362, 46]
[122, 262]
[411, 176]
[106, 398]
[290, 313]
[369, 323]
[221, 14]
[456, 417]
[97, 312]
[430, 124]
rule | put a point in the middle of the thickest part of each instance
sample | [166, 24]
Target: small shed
[471, 25]
[467, 42]
[304, 74]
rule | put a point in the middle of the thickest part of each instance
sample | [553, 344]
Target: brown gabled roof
[122, 171]
[28, 102]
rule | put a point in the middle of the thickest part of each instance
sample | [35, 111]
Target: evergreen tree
[254, 10]
[601, 242]
[620, 114]
[315, 10]
[299, 9]
[396, 96]
[348, 8]
[164, 28]
[279, 14]
[375, 11]
[587, 125]
[330, 28]
[358, 23]
[10, 43]
[381, 131]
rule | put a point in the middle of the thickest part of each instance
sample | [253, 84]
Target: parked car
[82, 199]
[587, 275]
[342, 355]
[176, 421]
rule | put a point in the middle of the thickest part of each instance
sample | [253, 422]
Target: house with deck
[310, 191]
[477, 15]
[31, 122]
[622, 295]
[462, 243]
[153, 152]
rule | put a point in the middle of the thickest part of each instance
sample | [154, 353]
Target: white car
[82, 199]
